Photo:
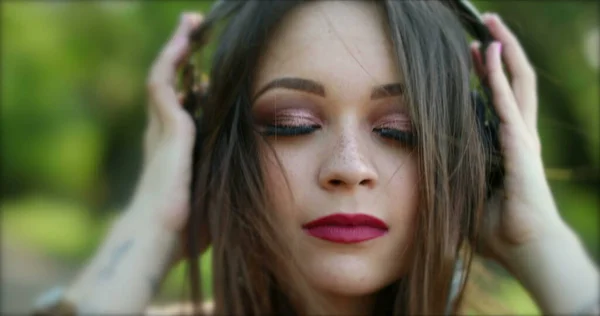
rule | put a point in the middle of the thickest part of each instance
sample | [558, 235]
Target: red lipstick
[346, 228]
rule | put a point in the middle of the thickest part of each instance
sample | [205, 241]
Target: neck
[351, 305]
[344, 305]
[361, 305]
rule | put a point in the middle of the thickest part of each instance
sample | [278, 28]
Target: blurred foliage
[73, 113]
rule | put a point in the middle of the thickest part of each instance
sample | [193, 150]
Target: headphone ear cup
[488, 125]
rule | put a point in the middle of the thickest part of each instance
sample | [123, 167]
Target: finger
[477, 60]
[174, 53]
[502, 94]
[161, 80]
[521, 70]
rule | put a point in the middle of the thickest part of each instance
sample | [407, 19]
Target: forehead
[331, 41]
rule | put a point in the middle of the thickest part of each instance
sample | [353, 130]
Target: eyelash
[403, 137]
[289, 130]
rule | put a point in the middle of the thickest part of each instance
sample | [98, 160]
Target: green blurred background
[73, 114]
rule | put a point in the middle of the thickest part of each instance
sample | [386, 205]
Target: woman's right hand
[164, 187]
[142, 243]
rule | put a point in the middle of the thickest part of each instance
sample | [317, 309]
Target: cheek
[400, 198]
[282, 178]
[363, 269]
[274, 177]
[402, 189]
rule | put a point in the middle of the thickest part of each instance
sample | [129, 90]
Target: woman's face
[343, 143]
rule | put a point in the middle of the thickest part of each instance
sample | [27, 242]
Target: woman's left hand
[522, 212]
[522, 228]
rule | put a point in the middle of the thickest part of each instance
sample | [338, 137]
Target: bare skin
[129, 267]
[526, 235]
[524, 230]
[346, 165]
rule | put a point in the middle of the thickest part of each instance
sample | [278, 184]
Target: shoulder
[179, 309]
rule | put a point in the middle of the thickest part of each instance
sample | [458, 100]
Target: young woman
[337, 166]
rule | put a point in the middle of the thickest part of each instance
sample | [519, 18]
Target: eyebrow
[314, 87]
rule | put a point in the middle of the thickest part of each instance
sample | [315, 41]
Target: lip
[346, 228]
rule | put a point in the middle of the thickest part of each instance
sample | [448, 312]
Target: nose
[347, 167]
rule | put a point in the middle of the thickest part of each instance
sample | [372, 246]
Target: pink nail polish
[499, 48]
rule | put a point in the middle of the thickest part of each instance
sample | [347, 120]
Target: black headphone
[487, 118]
[470, 18]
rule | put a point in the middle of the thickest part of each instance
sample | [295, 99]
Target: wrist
[556, 270]
[135, 254]
[150, 232]
[549, 242]
[145, 210]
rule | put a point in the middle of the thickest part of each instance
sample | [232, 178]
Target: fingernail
[497, 52]
[493, 53]
[190, 20]
[489, 17]
[495, 18]
[195, 19]
[186, 18]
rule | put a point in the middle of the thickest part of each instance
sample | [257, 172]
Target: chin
[349, 274]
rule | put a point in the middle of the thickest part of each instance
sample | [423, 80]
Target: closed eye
[289, 130]
[403, 137]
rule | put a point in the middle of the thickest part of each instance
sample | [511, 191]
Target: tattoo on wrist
[115, 257]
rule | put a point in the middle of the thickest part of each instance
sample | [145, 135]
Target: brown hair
[253, 271]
